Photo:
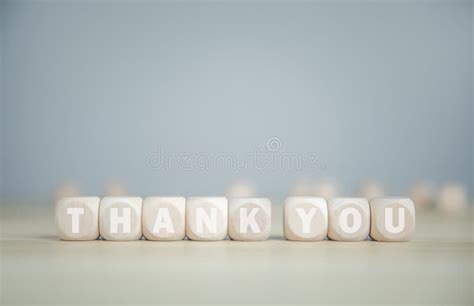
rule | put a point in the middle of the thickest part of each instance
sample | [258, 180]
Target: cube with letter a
[163, 218]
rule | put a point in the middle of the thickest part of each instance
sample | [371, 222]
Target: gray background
[377, 90]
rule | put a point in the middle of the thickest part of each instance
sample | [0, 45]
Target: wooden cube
[206, 218]
[422, 195]
[77, 218]
[240, 189]
[392, 219]
[115, 190]
[301, 188]
[120, 218]
[65, 190]
[250, 219]
[371, 190]
[324, 189]
[452, 200]
[305, 218]
[163, 218]
[349, 219]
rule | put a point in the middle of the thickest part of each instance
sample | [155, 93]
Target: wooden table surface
[36, 267]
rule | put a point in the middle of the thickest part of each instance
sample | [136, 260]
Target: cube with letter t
[77, 218]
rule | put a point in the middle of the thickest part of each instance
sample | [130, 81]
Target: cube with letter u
[393, 219]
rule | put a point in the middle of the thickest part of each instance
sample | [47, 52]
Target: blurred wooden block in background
[163, 218]
[120, 218]
[349, 219]
[452, 200]
[65, 190]
[115, 189]
[392, 219]
[423, 195]
[371, 190]
[326, 189]
[240, 189]
[305, 218]
[206, 218]
[77, 218]
[250, 219]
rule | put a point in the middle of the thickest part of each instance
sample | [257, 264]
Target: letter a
[163, 220]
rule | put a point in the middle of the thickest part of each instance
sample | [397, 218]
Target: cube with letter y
[393, 219]
[250, 219]
[77, 218]
[120, 218]
[163, 218]
[305, 218]
[206, 218]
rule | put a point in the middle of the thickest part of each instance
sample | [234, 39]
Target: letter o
[343, 220]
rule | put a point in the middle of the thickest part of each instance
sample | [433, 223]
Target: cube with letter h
[77, 218]
[250, 219]
[163, 218]
[306, 218]
[393, 219]
[120, 218]
[206, 218]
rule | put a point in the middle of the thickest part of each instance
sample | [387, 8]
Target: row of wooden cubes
[245, 219]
